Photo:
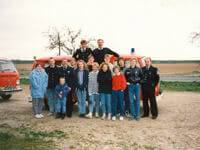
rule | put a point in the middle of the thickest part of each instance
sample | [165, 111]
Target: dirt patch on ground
[177, 127]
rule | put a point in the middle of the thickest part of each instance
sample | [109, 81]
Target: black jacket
[105, 82]
[99, 54]
[151, 77]
[53, 76]
[68, 73]
[134, 75]
[82, 55]
[84, 86]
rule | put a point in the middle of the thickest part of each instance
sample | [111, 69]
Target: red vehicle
[58, 59]
[9, 79]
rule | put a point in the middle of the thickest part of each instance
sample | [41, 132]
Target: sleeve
[141, 76]
[157, 77]
[45, 80]
[33, 81]
[75, 54]
[109, 51]
[124, 82]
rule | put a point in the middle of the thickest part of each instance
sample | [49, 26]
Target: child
[93, 91]
[118, 87]
[81, 84]
[105, 89]
[38, 81]
[61, 91]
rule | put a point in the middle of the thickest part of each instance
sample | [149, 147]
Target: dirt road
[178, 125]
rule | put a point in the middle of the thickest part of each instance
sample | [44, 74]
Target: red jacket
[118, 82]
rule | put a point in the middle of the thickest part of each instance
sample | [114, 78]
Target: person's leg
[34, 106]
[114, 103]
[69, 104]
[63, 105]
[91, 103]
[103, 104]
[126, 101]
[50, 100]
[97, 104]
[137, 101]
[121, 102]
[145, 95]
[79, 95]
[108, 102]
[153, 103]
[84, 94]
[131, 98]
[40, 105]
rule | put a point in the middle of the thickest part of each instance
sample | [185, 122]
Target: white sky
[156, 28]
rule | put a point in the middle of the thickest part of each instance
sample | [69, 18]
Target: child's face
[62, 81]
[105, 68]
[94, 68]
[116, 71]
[81, 65]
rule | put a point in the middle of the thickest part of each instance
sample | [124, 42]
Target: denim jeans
[37, 105]
[94, 98]
[81, 94]
[117, 98]
[61, 105]
[134, 96]
[105, 102]
[51, 94]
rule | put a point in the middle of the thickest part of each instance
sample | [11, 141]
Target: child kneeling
[61, 91]
[118, 87]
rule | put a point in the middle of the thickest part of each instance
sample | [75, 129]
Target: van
[9, 79]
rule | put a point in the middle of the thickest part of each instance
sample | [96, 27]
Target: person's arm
[157, 77]
[124, 82]
[33, 81]
[109, 51]
[45, 80]
[75, 54]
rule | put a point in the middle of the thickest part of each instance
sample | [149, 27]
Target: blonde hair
[134, 58]
[95, 64]
[81, 61]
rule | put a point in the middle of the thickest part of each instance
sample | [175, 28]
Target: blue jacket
[38, 80]
[62, 90]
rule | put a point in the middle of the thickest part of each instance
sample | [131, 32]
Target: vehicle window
[7, 66]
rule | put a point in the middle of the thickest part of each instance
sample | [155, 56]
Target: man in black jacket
[151, 79]
[53, 76]
[100, 52]
[82, 53]
[67, 71]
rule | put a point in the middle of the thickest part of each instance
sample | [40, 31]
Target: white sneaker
[113, 118]
[109, 116]
[50, 114]
[89, 116]
[103, 116]
[41, 115]
[121, 118]
[38, 116]
[97, 115]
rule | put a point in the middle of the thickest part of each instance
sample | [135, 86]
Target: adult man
[100, 52]
[66, 71]
[52, 72]
[151, 79]
[83, 53]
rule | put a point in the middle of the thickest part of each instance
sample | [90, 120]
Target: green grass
[180, 86]
[28, 139]
[165, 85]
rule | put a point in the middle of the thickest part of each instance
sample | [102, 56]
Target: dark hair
[36, 65]
[83, 42]
[62, 77]
[120, 58]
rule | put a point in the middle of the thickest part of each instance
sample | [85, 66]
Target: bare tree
[195, 37]
[66, 39]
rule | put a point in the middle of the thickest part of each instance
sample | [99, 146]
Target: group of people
[112, 91]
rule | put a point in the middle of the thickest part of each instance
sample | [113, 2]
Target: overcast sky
[156, 28]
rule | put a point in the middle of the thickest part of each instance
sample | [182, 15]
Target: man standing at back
[83, 53]
[100, 52]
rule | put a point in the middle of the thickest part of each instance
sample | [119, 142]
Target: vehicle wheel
[6, 97]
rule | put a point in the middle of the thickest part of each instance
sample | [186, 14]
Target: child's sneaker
[50, 114]
[109, 116]
[89, 115]
[97, 115]
[41, 115]
[113, 118]
[38, 116]
[121, 118]
[103, 116]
